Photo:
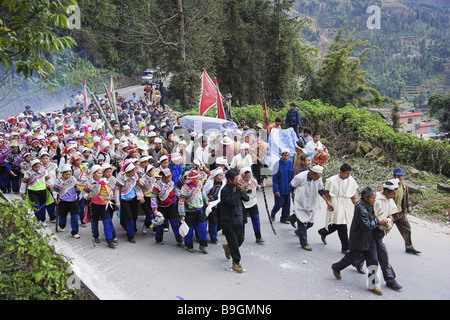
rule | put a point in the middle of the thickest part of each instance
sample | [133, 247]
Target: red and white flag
[209, 93]
[111, 92]
[219, 98]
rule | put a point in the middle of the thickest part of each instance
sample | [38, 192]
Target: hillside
[413, 60]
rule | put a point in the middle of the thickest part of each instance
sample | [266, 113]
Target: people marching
[115, 169]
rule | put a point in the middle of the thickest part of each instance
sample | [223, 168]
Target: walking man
[308, 187]
[281, 178]
[293, 119]
[232, 208]
[404, 207]
[341, 190]
[361, 237]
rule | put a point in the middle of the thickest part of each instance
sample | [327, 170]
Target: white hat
[142, 145]
[116, 141]
[317, 169]
[158, 140]
[245, 146]
[106, 166]
[95, 168]
[152, 134]
[105, 144]
[34, 162]
[175, 157]
[143, 159]
[163, 158]
[391, 184]
[96, 139]
[126, 127]
[226, 141]
[222, 161]
[149, 168]
[284, 150]
[66, 167]
[130, 167]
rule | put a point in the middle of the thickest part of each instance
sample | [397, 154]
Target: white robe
[383, 207]
[341, 191]
[306, 196]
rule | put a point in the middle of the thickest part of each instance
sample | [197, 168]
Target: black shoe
[360, 270]
[132, 240]
[323, 237]
[412, 250]
[394, 285]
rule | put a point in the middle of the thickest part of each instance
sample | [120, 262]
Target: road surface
[279, 269]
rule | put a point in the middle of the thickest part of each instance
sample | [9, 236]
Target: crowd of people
[94, 165]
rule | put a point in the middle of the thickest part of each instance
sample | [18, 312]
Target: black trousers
[234, 233]
[342, 233]
[383, 258]
[369, 255]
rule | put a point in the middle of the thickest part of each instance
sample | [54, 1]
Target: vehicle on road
[148, 76]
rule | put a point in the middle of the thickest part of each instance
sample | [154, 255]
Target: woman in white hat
[53, 172]
[212, 188]
[125, 197]
[144, 188]
[163, 200]
[243, 159]
[250, 186]
[65, 195]
[110, 179]
[99, 194]
[34, 190]
[175, 166]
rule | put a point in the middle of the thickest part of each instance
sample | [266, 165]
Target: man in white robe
[242, 159]
[308, 190]
[341, 190]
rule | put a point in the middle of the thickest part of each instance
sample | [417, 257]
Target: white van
[148, 76]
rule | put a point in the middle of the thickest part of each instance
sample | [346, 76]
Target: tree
[28, 35]
[440, 107]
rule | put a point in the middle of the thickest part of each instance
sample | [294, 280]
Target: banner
[209, 93]
[112, 94]
[219, 98]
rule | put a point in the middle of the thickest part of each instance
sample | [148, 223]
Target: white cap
[317, 169]
[391, 184]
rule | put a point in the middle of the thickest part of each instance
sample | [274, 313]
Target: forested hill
[413, 60]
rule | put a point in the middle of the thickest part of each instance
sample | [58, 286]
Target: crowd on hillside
[89, 165]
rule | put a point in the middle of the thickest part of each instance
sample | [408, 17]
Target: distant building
[411, 122]
[427, 127]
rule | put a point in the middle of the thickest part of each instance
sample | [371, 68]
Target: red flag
[209, 93]
[220, 111]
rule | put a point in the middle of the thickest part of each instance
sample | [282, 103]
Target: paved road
[279, 269]
[126, 92]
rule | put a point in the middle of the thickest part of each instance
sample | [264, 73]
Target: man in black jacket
[361, 239]
[232, 209]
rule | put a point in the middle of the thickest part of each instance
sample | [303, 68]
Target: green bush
[29, 268]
